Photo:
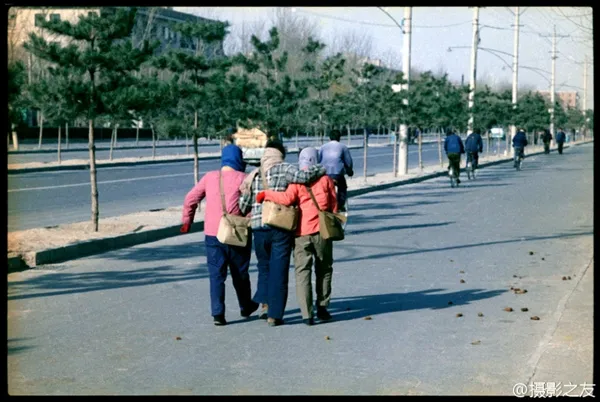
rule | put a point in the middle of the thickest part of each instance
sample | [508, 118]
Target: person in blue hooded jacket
[453, 146]
[519, 142]
[560, 140]
[473, 146]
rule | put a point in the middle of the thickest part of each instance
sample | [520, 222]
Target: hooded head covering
[308, 157]
[232, 156]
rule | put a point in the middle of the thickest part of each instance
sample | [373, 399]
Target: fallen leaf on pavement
[564, 278]
[535, 318]
[531, 253]
[524, 309]
[520, 291]
[568, 277]
[367, 318]
[475, 343]
[480, 314]
[462, 281]
[462, 272]
[459, 314]
[178, 338]
[451, 260]
[508, 309]
[514, 276]
[543, 259]
[327, 338]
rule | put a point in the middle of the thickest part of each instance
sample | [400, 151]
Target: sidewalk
[35, 247]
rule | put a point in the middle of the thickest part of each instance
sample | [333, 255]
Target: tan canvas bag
[277, 215]
[233, 229]
[330, 224]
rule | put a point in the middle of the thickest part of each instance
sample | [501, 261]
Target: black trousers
[454, 163]
[473, 157]
[560, 147]
[546, 147]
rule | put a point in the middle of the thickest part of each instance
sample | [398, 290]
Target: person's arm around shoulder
[246, 199]
[294, 175]
[287, 197]
[193, 198]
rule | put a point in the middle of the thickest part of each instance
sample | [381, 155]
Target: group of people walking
[454, 147]
[311, 187]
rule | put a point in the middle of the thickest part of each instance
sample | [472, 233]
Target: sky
[436, 29]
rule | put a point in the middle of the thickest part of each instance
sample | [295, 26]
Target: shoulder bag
[330, 224]
[277, 215]
[233, 229]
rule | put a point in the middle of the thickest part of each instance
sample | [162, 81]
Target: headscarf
[231, 156]
[308, 157]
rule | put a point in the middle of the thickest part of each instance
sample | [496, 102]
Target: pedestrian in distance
[473, 146]
[309, 245]
[519, 142]
[272, 245]
[546, 138]
[561, 137]
[336, 159]
[453, 146]
[219, 256]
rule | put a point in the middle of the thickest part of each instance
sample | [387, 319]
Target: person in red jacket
[308, 242]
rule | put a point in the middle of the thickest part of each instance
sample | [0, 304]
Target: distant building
[566, 98]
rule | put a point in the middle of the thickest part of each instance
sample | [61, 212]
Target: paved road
[51, 198]
[109, 324]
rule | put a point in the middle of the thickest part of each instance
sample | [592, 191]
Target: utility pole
[585, 97]
[403, 151]
[473, 68]
[513, 129]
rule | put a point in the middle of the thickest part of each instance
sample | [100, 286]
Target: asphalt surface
[136, 321]
[43, 199]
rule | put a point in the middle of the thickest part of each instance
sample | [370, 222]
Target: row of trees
[100, 74]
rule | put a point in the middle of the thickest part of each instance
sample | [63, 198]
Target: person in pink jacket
[308, 242]
[221, 256]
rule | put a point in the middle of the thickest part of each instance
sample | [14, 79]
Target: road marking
[102, 182]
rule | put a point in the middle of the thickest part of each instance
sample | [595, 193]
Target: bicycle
[518, 158]
[469, 167]
[453, 178]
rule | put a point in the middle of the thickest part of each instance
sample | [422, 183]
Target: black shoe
[323, 314]
[274, 322]
[219, 320]
[264, 312]
[252, 307]
[308, 321]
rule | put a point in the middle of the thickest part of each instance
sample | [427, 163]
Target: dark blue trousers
[219, 257]
[273, 248]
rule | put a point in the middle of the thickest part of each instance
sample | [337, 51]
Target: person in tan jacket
[308, 242]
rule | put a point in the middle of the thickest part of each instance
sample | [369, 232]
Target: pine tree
[96, 49]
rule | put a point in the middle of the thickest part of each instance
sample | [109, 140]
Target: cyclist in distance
[519, 143]
[473, 146]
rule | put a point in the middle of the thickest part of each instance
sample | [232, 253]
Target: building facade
[566, 98]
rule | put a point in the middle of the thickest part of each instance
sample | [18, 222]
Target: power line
[379, 24]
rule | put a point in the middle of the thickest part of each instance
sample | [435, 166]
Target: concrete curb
[86, 166]
[99, 246]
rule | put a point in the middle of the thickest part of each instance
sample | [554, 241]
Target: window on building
[92, 14]
[39, 18]
[55, 17]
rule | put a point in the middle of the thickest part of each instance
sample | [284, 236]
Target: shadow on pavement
[357, 219]
[358, 307]
[427, 250]
[397, 227]
[388, 205]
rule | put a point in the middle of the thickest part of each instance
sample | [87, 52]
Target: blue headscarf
[308, 157]
[232, 156]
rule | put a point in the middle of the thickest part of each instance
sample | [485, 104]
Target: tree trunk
[440, 148]
[15, 138]
[187, 144]
[67, 135]
[487, 144]
[137, 133]
[94, 184]
[349, 133]
[297, 140]
[365, 144]
[395, 153]
[116, 134]
[59, 140]
[112, 141]
[420, 139]
[196, 168]
[41, 129]
[153, 141]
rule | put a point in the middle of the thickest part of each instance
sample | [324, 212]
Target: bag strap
[222, 193]
[264, 178]
[313, 198]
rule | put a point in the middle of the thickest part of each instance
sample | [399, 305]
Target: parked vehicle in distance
[252, 142]
[497, 132]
